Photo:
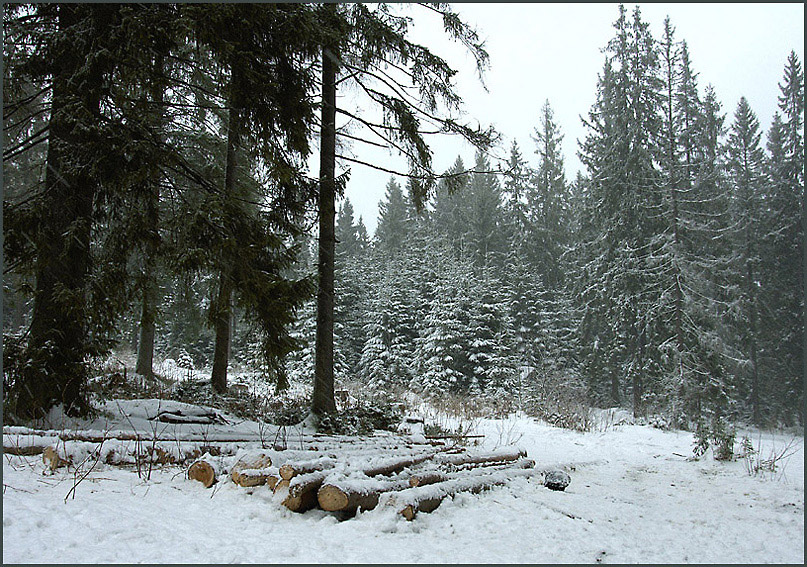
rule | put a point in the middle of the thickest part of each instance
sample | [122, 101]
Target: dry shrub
[559, 398]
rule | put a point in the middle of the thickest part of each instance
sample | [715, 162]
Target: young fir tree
[547, 198]
[450, 216]
[484, 238]
[351, 286]
[393, 220]
[515, 197]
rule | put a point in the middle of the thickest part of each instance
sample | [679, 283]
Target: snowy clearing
[634, 497]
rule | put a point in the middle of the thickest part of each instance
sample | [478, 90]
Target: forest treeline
[667, 277]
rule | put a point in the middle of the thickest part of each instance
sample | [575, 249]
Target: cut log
[203, 470]
[427, 498]
[253, 469]
[51, 458]
[290, 470]
[467, 471]
[26, 451]
[396, 465]
[248, 478]
[431, 477]
[350, 495]
[506, 454]
[303, 489]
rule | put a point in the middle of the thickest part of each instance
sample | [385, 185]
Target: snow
[635, 497]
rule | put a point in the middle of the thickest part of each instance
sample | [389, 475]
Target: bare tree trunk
[145, 347]
[222, 308]
[221, 352]
[323, 396]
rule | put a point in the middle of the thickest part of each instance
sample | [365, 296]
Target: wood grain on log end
[332, 498]
[203, 472]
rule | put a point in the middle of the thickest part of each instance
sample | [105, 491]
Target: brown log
[203, 471]
[303, 489]
[350, 497]
[51, 458]
[280, 485]
[398, 464]
[252, 470]
[26, 451]
[290, 470]
[470, 469]
[502, 455]
[411, 501]
[431, 477]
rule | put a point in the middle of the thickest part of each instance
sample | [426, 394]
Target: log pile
[411, 479]
[333, 473]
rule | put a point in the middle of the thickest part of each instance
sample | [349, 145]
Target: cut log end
[203, 472]
[301, 502]
[287, 472]
[409, 512]
[52, 459]
[332, 498]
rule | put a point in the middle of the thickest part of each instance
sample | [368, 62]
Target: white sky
[554, 51]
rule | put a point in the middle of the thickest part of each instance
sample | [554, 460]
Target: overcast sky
[554, 51]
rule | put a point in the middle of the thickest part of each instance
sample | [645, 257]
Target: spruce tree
[746, 162]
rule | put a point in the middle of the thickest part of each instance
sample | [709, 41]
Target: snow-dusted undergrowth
[634, 497]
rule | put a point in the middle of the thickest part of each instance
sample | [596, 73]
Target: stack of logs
[333, 473]
[417, 481]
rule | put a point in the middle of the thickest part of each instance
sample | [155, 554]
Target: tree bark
[218, 376]
[323, 396]
[145, 346]
[222, 308]
[427, 498]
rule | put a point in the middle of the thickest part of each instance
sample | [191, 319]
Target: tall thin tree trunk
[221, 352]
[323, 396]
[150, 299]
[145, 346]
[752, 333]
[222, 305]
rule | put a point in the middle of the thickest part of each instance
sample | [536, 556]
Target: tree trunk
[218, 376]
[752, 334]
[222, 309]
[323, 396]
[55, 370]
[145, 347]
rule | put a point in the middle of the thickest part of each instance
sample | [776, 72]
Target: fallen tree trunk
[396, 465]
[254, 469]
[303, 489]
[204, 470]
[291, 470]
[471, 469]
[350, 495]
[505, 454]
[302, 494]
[411, 501]
[23, 451]
[306, 442]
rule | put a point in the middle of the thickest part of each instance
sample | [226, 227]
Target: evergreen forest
[158, 200]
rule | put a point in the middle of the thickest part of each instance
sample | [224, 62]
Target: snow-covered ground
[634, 498]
